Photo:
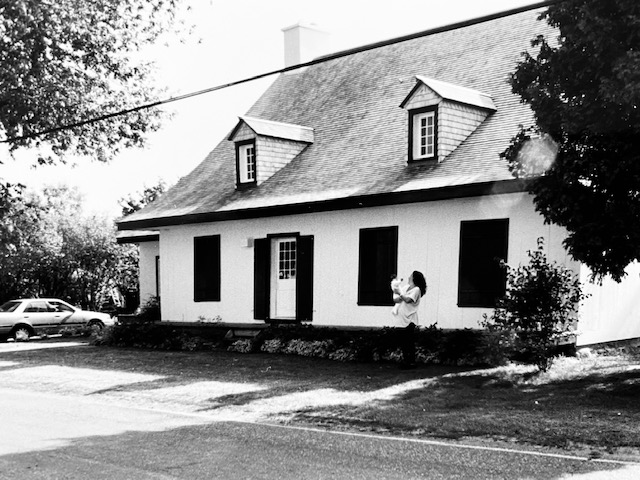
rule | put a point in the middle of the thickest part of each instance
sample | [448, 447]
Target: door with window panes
[283, 278]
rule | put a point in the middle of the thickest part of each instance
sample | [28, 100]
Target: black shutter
[206, 268]
[158, 277]
[481, 279]
[304, 279]
[261, 281]
[378, 261]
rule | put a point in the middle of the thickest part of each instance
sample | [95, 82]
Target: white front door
[283, 278]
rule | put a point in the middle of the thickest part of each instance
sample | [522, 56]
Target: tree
[48, 249]
[89, 265]
[67, 61]
[22, 234]
[584, 89]
[134, 202]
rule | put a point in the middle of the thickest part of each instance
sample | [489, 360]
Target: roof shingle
[352, 105]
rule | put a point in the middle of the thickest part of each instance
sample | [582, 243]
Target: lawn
[588, 404]
[585, 405]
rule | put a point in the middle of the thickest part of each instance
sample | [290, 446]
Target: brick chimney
[302, 43]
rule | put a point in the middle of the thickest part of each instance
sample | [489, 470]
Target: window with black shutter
[378, 261]
[481, 278]
[206, 268]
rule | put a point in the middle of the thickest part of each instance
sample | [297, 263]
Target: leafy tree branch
[584, 89]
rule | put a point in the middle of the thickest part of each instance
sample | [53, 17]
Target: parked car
[24, 318]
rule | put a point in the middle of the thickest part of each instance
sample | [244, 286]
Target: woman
[409, 302]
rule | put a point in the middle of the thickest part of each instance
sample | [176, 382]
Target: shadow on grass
[274, 370]
[238, 399]
[595, 409]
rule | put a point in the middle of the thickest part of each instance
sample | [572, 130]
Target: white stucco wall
[612, 310]
[148, 253]
[428, 241]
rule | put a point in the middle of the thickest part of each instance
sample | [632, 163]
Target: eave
[135, 236]
[345, 203]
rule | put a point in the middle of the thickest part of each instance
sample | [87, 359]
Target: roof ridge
[431, 31]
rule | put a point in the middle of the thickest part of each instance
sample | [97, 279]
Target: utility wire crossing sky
[316, 61]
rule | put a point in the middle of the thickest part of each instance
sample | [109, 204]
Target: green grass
[578, 404]
[590, 404]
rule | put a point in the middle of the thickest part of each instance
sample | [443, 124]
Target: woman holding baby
[407, 299]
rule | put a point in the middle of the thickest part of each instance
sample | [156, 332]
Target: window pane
[247, 163]
[286, 264]
[423, 135]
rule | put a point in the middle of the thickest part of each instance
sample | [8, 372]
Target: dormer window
[423, 141]
[246, 162]
[442, 116]
[263, 147]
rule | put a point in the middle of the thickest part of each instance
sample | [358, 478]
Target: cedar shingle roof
[360, 145]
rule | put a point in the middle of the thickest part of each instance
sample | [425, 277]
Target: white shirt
[408, 311]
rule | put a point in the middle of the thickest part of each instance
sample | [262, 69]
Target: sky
[232, 40]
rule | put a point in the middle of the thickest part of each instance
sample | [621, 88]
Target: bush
[150, 310]
[434, 346]
[244, 345]
[155, 335]
[538, 310]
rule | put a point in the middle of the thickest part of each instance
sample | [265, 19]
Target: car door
[65, 315]
[38, 314]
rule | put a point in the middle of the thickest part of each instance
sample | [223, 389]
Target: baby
[398, 289]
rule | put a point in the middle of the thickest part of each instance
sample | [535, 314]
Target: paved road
[47, 435]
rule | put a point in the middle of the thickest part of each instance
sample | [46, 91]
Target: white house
[382, 161]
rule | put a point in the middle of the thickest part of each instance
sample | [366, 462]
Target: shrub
[537, 311]
[434, 346]
[150, 310]
[465, 348]
[274, 345]
[244, 345]
[343, 355]
[102, 337]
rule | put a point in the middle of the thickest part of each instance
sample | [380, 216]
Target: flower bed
[433, 345]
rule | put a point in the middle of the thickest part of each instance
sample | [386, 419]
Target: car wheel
[95, 326]
[21, 333]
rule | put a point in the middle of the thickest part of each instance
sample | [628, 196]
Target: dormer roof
[455, 93]
[269, 128]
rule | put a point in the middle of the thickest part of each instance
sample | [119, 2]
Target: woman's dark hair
[420, 282]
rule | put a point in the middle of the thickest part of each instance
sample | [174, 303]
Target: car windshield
[10, 306]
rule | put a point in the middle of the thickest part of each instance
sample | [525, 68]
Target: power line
[323, 59]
